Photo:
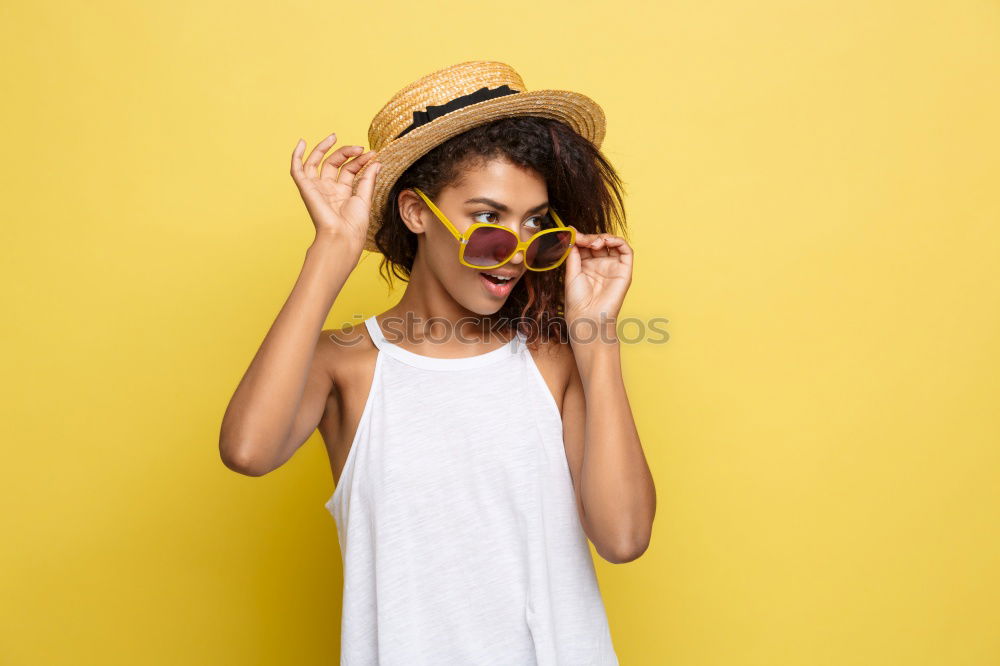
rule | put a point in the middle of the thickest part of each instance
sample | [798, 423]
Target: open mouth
[496, 280]
[497, 286]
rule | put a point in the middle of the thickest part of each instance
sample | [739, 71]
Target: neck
[454, 327]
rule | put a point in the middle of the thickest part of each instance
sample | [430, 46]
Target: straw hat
[446, 103]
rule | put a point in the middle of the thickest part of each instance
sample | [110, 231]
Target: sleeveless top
[457, 519]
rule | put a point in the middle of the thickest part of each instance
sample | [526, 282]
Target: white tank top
[457, 520]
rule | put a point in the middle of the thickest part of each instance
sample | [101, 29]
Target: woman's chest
[437, 451]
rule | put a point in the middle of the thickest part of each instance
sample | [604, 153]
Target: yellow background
[813, 200]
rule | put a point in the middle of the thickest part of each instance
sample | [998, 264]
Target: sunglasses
[485, 245]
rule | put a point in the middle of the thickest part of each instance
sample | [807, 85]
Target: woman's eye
[478, 215]
[533, 223]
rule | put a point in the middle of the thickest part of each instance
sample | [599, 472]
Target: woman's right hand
[335, 211]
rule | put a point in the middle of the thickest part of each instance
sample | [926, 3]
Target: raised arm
[616, 496]
[281, 397]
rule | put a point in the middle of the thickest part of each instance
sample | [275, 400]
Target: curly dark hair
[582, 185]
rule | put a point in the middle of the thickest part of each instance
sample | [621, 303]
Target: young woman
[478, 431]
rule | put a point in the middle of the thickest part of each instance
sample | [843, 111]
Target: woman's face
[495, 192]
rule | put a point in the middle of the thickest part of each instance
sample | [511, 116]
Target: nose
[517, 258]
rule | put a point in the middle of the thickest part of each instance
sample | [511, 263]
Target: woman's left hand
[598, 273]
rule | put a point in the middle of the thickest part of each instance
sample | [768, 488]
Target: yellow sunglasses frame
[522, 246]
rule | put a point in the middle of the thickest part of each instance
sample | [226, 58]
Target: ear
[412, 209]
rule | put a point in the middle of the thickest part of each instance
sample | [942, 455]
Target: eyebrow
[502, 208]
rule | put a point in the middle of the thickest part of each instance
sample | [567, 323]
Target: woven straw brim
[576, 110]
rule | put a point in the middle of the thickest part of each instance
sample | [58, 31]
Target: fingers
[300, 171]
[582, 244]
[366, 184]
[337, 159]
[573, 264]
[297, 173]
[333, 167]
[602, 245]
[349, 170]
[312, 162]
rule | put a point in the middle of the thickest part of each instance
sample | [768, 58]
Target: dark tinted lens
[548, 249]
[488, 247]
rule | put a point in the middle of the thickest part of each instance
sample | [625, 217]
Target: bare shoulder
[349, 355]
[557, 365]
[343, 352]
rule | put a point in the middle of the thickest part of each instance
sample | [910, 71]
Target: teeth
[501, 277]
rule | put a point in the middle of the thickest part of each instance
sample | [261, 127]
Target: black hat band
[436, 111]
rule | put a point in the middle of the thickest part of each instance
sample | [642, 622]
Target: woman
[471, 464]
